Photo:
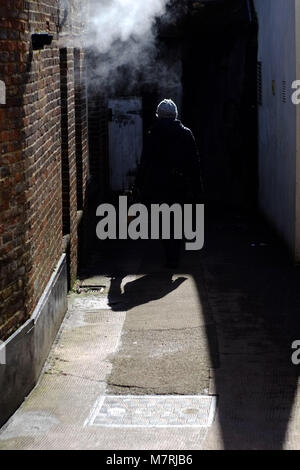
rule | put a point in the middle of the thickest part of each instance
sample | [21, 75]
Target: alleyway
[219, 328]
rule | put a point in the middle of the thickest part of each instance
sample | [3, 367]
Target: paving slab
[164, 411]
[63, 410]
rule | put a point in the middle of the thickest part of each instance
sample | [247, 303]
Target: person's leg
[173, 248]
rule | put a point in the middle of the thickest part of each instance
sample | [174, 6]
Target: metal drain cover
[93, 289]
[153, 411]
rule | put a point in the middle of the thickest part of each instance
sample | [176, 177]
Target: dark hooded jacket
[170, 168]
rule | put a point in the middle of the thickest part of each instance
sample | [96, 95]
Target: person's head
[167, 109]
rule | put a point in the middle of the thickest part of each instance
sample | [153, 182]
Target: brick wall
[43, 147]
[81, 127]
[69, 167]
[98, 140]
[13, 255]
[12, 199]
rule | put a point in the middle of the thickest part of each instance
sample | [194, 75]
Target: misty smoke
[121, 37]
[110, 21]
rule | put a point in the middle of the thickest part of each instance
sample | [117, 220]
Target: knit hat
[167, 109]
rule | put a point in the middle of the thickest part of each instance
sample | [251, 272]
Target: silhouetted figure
[142, 290]
[170, 169]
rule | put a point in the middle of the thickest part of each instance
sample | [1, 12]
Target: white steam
[121, 37]
[110, 21]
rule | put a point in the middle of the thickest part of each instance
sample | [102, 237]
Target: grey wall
[297, 2]
[277, 120]
[27, 349]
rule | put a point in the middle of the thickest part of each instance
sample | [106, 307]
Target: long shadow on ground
[249, 289]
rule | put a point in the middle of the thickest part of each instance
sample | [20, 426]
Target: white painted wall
[278, 120]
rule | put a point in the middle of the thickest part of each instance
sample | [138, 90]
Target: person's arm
[194, 165]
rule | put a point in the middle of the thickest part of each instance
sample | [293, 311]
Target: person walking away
[170, 168]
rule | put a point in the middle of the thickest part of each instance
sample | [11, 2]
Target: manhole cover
[153, 411]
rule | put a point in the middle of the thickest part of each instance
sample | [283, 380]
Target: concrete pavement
[197, 358]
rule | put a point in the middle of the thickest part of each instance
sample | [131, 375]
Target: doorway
[125, 141]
